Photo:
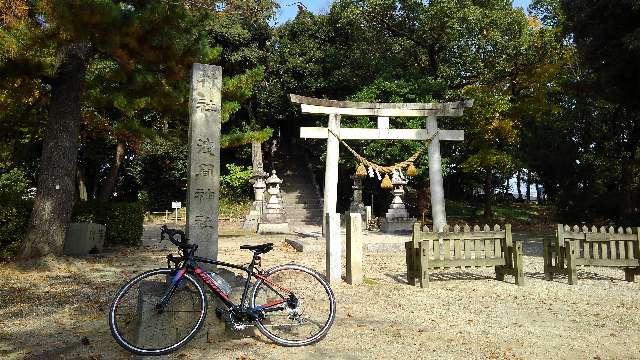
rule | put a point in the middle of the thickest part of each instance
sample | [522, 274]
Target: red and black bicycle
[160, 310]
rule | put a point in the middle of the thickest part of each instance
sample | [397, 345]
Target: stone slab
[306, 245]
[277, 228]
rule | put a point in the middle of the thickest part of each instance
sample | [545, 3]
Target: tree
[409, 51]
[607, 39]
[54, 43]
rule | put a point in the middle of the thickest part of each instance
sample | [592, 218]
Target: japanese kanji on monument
[204, 158]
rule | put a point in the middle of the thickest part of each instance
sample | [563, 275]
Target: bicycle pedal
[220, 314]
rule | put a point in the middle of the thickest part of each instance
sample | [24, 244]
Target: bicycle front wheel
[299, 305]
[155, 314]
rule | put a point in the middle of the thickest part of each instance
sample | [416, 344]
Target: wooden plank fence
[463, 248]
[581, 246]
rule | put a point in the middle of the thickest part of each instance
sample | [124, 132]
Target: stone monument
[397, 219]
[273, 220]
[204, 158]
[259, 186]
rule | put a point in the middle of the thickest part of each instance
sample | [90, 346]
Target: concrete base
[84, 238]
[277, 228]
[400, 226]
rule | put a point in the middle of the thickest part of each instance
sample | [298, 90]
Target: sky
[289, 8]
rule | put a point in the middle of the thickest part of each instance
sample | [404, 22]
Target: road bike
[160, 310]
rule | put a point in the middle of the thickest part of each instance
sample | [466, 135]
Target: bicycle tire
[313, 294]
[131, 332]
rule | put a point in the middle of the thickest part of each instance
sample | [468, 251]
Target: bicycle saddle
[262, 248]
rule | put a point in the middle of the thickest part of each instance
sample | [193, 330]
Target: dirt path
[462, 315]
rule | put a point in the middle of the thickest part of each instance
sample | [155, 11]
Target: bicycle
[160, 310]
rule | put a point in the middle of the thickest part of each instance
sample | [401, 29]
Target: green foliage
[123, 220]
[14, 220]
[13, 185]
[160, 170]
[14, 212]
[234, 185]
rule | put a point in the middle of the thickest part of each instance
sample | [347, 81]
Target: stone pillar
[354, 248]
[333, 247]
[331, 170]
[435, 177]
[256, 158]
[204, 158]
[368, 215]
[257, 180]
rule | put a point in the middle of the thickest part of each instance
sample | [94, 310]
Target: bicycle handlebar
[183, 243]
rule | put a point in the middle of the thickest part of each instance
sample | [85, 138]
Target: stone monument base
[275, 228]
[397, 225]
[251, 223]
[84, 238]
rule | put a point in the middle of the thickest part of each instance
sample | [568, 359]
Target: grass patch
[507, 212]
[369, 281]
[234, 208]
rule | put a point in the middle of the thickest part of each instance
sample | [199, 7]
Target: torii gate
[383, 111]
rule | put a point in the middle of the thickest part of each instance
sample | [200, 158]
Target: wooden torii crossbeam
[335, 109]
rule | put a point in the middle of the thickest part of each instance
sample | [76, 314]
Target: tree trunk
[539, 193]
[106, 190]
[528, 185]
[56, 182]
[519, 183]
[627, 186]
[488, 197]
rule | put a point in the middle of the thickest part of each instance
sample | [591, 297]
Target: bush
[14, 220]
[15, 212]
[123, 220]
[235, 185]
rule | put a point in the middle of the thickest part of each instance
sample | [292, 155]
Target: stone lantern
[397, 218]
[273, 219]
[257, 207]
[357, 206]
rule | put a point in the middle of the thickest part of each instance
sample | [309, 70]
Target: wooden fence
[463, 248]
[589, 247]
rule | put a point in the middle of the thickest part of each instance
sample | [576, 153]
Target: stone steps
[302, 203]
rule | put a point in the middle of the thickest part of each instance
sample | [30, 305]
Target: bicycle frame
[191, 265]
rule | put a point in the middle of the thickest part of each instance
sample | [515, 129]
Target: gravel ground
[61, 312]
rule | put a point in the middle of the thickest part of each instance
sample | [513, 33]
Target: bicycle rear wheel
[142, 326]
[299, 305]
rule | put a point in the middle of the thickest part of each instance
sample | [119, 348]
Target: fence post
[354, 249]
[423, 269]
[570, 247]
[518, 265]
